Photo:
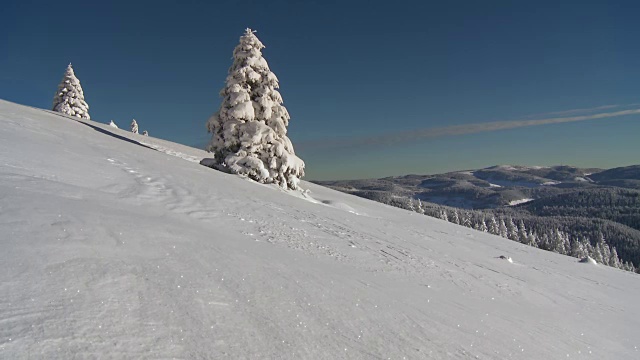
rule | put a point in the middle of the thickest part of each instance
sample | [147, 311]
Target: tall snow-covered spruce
[69, 98]
[249, 131]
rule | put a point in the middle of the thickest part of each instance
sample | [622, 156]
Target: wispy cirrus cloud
[583, 111]
[421, 134]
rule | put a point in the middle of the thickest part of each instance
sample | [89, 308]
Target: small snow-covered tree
[69, 98]
[411, 205]
[579, 248]
[145, 133]
[532, 239]
[134, 126]
[492, 226]
[454, 217]
[544, 242]
[606, 251]
[112, 124]
[522, 232]
[443, 215]
[482, 226]
[597, 253]
[614, 260]
[466, 220]
[630, 266]
[502, 229]
[558, 241]
[512, 229]
[249, 131]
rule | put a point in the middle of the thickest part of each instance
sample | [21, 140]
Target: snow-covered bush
[249, 131]
[145, 133]
[69, 98]
[134, 126]
[112, 124]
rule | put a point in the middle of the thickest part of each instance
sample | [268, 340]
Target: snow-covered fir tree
[614, 260]
[249, 131]
[532, 239]
[134, 126]
[112, 124]
[597, 253]
[454, 218]
[482, 226]
[502, 229]
[522, 232]
[492, 226]
[411, 205]
[512, 229]
[69, 98]
[145, 133]
[466, 220]
[606, 251]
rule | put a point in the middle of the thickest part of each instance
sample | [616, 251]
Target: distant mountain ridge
[491, 187]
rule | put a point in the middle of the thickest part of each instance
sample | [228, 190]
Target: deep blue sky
[350, 69]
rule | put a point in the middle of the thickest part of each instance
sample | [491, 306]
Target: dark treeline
[615, 204]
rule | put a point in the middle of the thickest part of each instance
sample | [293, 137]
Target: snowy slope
[113, 250]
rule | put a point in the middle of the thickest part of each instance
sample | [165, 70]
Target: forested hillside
[572, 211]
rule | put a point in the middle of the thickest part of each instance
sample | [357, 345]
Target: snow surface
[519, 201]
[589, 260]
[552, 183]
[505, 167]
[113, 250]
[511, 183]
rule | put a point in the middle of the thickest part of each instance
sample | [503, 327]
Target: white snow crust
[113, 250]
[519, 201]
[589, 260]
[551, 183]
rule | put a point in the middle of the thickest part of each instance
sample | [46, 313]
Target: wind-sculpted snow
[111, 249]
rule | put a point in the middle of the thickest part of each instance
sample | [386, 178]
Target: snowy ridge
[114, 250]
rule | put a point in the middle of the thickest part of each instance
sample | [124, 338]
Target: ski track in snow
[112, 250]
[307, 237]
[171, 152]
